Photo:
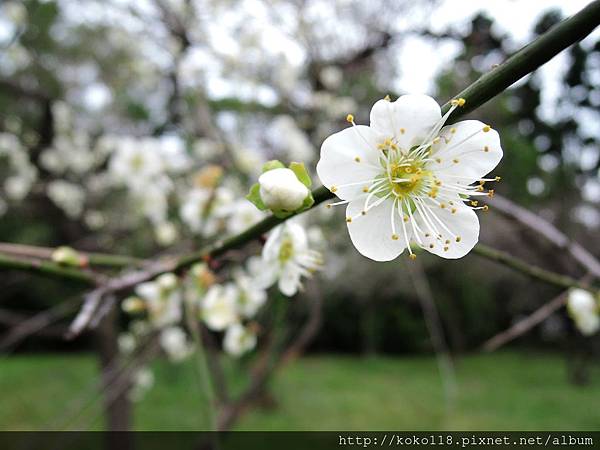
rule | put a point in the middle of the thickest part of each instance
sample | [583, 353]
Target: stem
[528, 269]
[50, 269]
[94, 259]
[529, 58]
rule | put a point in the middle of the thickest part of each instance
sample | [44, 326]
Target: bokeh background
[236, 83]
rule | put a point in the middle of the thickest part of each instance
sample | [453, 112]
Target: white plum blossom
[165, 233]
[163, 300]
[281, 190]
[141, 382]
[126, 343]
[239, 340]
[219, 306]
[407, 178]
[133, 162]
[285, 135]
[67, 196]
[203, 209]
[174, 342]
[584, 311]
[243, 215]
[286, 257]
[251, 296]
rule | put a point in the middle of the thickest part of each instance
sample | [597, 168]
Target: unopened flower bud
[68, 256]
[281, 190]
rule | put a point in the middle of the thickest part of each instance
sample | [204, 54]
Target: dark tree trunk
[117, 408]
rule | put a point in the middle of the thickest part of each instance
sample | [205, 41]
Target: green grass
[506, 391]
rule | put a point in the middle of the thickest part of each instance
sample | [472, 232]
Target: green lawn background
[505, 391]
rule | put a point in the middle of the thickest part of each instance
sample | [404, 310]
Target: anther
[348, 219]
[412, 256]
[402, 131]
[430, 245]
[387, 98]
[455, 161]
[395, 237]
[486, 207]
[446, 249]
[453, 211]
[364, 213]
[365, 189]
[350, 118]
[474, 202]
[447, 241]
[357, 159]
[486, 149]
[497, 178]
[452, 130]
[486, 128]
[333, 189]
[490, 193]
[457, 239]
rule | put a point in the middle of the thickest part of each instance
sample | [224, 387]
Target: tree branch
[528, 269]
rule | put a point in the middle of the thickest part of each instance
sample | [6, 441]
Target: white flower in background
[67, 196]
[219, 306]
[163, 300]
[126, 342]
[286, 136]
[280, 189]
[331, 77]
[239, 340]
[17, 187]
[205, 149]
[243, 215]
[151, 201]
[134, 163]
[142, 381]
[174, 342]
[286, 257]
[406, 178]
[251, 296]
[203, 210]
[165, 233]
[583, 309]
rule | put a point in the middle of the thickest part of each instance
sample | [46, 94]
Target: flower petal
[409, 119]
[349, 156]
[371, 234]
[469, 154]
[455, 238]
[289, 280]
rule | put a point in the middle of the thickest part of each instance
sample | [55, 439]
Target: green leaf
[273, 164]
[301, 172]
[254, 197]
[308, 202]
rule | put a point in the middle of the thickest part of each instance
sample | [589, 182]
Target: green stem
[530, 270]
[45, 253]
[50, 269]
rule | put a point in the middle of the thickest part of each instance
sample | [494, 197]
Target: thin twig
[530, 270]
[547, 230]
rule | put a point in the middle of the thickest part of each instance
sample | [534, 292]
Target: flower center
[405, 173]
[286, 251]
